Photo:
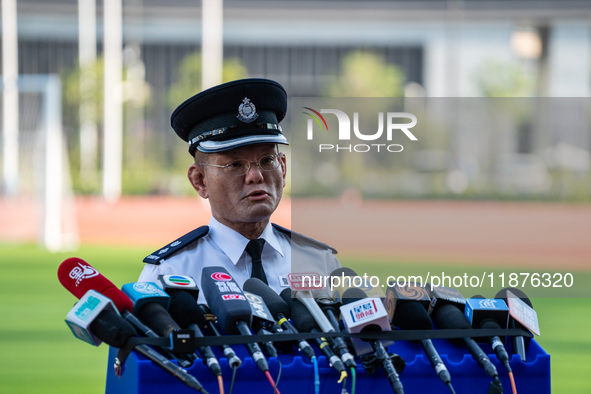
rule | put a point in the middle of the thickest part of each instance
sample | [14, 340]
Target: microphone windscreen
[300, 315]
[448, 316]
[411, 315]
[287, 296]
[157, 318]
[352, 294]
[489, 323]
[302, 318]
[225, 299]
[77, 276]
[274, 302]
[112, 329]
[502, 294]
[343, 271]
[184, 309]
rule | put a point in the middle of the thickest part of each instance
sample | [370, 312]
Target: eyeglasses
[240, 167]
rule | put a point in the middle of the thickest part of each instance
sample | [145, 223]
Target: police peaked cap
[231, 115]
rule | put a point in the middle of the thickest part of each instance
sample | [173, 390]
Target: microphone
[489, 313]
[407, 307]
[262, 321]
[325, 325]
[149, 305]
[228, 303]
[112, 329]
[449, 316]
[440, 295]
[411, 315]
[184, 310]
[89, 321]
[361, 314]
[79, 277]
[344, 278]
[510, 296]
[233, 360]
[278, 308]
[305, 322]
[304, 295]
[398, 294]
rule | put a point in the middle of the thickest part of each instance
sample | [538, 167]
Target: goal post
[43, 168]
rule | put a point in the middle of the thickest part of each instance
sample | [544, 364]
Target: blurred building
[439, 44]
[454, 48]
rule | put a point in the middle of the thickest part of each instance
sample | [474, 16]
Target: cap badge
[247, 112]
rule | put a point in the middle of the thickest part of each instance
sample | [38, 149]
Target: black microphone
[519, 342]
[305, 322]
[112, 329]
[115, 331]
[367, 313]
[411, 315]
[78, 277]
[344, 278]
[279, 309]
[184, 310]
[149, 305]
[325, 324]
[494, 314]
[233, 360]
[263, 322]
[449, 316]
[228, 303]
[109, 327]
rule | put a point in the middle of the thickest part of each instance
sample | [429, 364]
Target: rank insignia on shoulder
[168, 250]
[302, 239]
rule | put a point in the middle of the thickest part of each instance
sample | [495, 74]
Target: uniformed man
[233, 134]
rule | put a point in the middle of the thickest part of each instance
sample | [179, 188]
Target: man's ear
[283, 163]
[197, 178]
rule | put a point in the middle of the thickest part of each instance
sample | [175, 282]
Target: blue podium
[297, 373]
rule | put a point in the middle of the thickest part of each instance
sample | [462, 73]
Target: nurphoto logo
[389, 126]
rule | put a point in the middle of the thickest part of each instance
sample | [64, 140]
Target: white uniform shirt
[224, 247]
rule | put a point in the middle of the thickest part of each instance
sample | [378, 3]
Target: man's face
[238, 200]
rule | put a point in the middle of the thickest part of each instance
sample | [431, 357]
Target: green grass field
[40, 355]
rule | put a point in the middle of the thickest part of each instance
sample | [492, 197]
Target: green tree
[189, 77]
[366, 74]
[498, 79]
[85, 85]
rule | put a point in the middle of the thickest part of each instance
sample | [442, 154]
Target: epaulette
[302, 239]
[173, 247]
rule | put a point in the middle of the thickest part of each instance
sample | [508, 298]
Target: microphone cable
[220, 383]
[512, 379]
[234, 368]
[451, 388]
[353, 380]
[279, 374]
[344, 389]
[233, 360]
[273, 384]
[278, 377]
[316, 375]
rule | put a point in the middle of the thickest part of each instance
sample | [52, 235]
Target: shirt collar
[232, 243]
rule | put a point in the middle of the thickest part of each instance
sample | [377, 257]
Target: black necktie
[254, 250]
